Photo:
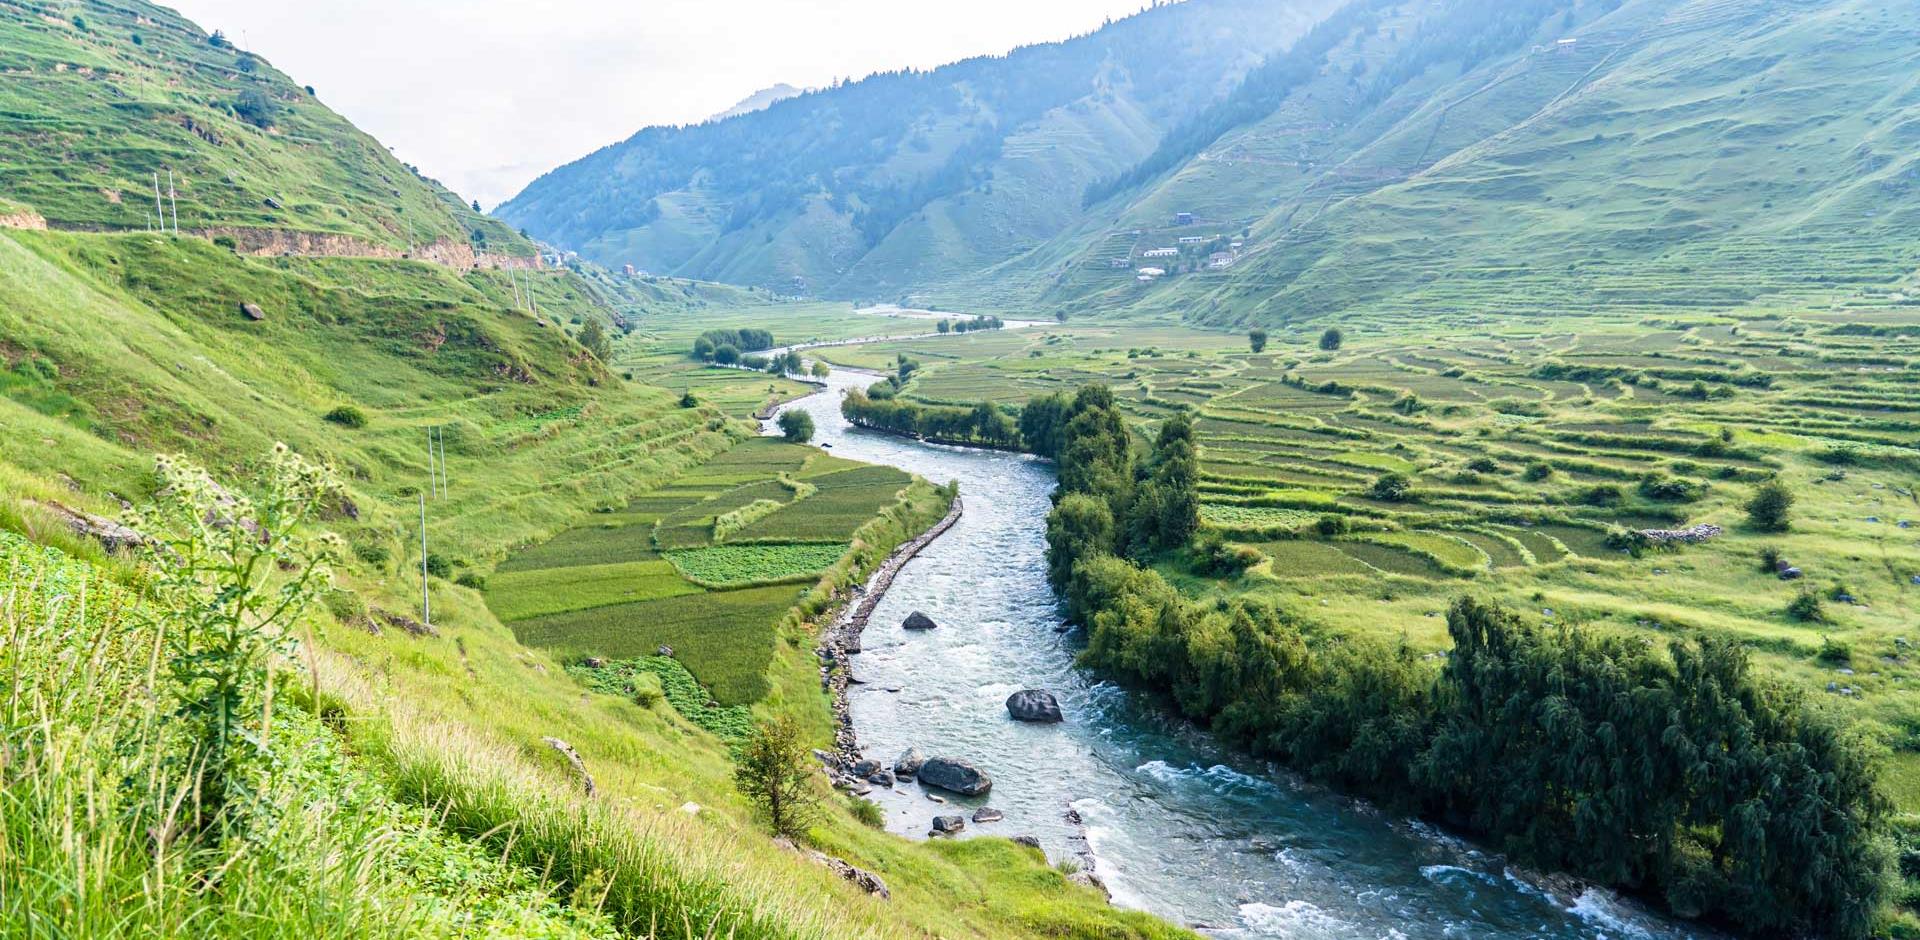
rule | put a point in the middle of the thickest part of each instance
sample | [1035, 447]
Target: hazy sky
[485, 95]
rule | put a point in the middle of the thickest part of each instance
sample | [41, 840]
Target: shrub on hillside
[1806, 607]
[774, 770]
[1771, 508]
[347, 416]
[1391, 487]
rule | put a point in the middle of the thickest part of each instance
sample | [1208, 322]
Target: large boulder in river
[948, 825]
[918, 621]
[952, 773]
[1034, 705]
[909, 762]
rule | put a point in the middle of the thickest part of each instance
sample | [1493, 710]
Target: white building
[1161, 253]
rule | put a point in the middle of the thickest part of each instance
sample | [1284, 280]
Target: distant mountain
[1475, 156]
[869, 188]
[1414, 156]
[758, 101]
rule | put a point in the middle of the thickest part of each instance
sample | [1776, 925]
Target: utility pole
[426, 600]
[433, 476]
[158, 209]
[440, 436]
[173, 197]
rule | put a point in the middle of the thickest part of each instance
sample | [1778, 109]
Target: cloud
[486, 95]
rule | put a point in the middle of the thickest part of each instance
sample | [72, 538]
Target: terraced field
[1529, 455]
[669, 570]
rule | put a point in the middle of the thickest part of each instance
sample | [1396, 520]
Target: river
[1177, 824]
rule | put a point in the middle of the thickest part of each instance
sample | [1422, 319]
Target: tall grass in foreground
[109, 826]
[91, 799]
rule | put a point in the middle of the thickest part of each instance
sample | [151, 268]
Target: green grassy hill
[867, 189]
[1647, 156]
[99, 97]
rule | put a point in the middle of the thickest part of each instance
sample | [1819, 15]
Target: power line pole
[174, 197]
[159, 210]
[426, 600]
[440, 436]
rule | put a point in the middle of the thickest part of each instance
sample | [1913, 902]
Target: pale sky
[485, 95]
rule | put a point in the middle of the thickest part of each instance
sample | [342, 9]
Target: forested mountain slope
[904, 178]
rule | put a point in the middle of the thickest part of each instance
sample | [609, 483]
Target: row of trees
[1109, 503]
[876, 408]
[988, 322]
[712, 345]
[1682, 775]
[1678, 772]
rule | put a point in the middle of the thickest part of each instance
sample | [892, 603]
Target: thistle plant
[228, 575]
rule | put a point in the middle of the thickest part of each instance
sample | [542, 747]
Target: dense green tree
[796, 426]
[1332, 339]
[1771, 508]
[1096, 453]
[1166, 510]
[1080, 527]
[594, 338]
[1043, 423]
[1257, 339]
[725, 354]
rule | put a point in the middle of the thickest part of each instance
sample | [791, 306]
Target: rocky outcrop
[952, 773]
[110, 534]
[273, 243]
[859, 877]
[22, 219]
[573, 760]
[918, 621]
[1034, 705]
[1691, 535]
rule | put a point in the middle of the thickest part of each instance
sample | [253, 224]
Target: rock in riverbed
[952, 773]
[948, 825]
[918, 621]
[1034, 705]
[987, 814]
[909, 762]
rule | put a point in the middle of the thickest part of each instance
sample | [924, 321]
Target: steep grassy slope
[97, 97]
[1648, 155]
[862, 189]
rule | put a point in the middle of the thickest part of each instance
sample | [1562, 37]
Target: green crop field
[728, 565]
[670, 568]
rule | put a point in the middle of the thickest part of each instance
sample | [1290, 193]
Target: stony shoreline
[841, 639]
